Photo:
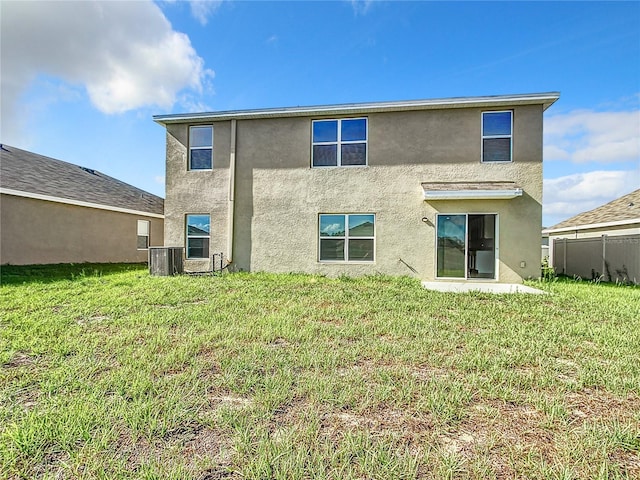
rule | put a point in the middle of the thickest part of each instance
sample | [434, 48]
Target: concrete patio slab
[461, 287]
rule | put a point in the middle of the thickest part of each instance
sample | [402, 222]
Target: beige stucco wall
[279, 196]
[38, 232]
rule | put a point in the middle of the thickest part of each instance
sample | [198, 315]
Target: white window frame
[143, 223]
[339, 142]
[496, 248]
[488, 137]
[346, 239]
[206, 147]
[187, 236]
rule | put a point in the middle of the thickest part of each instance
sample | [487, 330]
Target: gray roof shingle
[32, 173]
[626, 207]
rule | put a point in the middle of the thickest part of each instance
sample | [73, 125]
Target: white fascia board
[592, 226]
[473, 194]
[79, 203]
[546, 99]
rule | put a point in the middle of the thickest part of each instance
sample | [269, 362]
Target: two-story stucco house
[445, 189]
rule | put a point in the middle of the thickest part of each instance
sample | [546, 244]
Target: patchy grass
[109, 373]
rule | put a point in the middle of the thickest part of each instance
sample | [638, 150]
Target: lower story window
[347, 237]
[143, 234]
[198, 234]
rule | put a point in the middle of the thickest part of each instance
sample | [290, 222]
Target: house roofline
[545, 99]
[79, 203]
[590, 226]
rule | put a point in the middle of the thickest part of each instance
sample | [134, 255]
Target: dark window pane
[325, 155]
[201, 137]
[361, 249]
[325, 131]
[198, 224]
[496, 123]
[201, 159]
[331, 249]
[143, 242]
[481, 246]
[361, 225]
[198, 248]
[354, 130]
[496, 150]
[354, 154]
[451, 245]
[332, 225]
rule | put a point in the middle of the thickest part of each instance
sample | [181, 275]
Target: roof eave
[544, 99]
[590, 226]
[78, 203]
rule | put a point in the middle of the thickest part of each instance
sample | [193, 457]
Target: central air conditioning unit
[166, 261]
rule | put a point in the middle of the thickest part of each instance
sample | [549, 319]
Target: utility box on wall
[165, 261]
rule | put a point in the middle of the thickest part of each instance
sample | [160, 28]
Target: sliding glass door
[466, 246]
[452, 234]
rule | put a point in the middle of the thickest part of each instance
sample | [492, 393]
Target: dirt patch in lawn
[20, 359]
[192, 445]
[219, 399]
[53, 465]
[496, 430]
[505, 434]
[408, 429]
[595, 405]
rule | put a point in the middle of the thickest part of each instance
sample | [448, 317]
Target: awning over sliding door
[471, 190]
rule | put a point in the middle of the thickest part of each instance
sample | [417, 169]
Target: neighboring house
[56, 212]
[604, 241]
[545, 246]
[618, 217]
[445, 189]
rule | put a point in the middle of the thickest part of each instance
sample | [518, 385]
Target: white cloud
[159, 179]
[569, 195]
[361, 7]
[585, 136]
[333, 228]
[124, 54]
[202, 9]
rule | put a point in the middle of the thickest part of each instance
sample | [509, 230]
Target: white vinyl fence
[611, 259]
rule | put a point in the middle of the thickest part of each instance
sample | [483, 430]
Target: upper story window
[201, 147]
[143, 234]
[339, 143]
[497, 144]
[347, 237]
[198, 234]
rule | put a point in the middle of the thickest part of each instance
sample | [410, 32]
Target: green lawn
[107, 373]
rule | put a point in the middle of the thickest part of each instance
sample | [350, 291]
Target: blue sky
[81, 80]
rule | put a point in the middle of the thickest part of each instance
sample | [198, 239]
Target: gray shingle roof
[32, 173]
[626, 207]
